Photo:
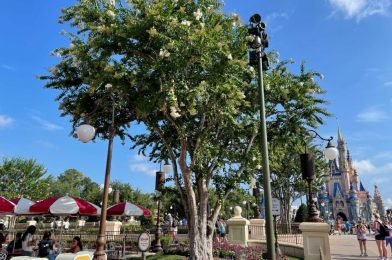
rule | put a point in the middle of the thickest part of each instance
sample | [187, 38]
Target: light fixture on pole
[258, 41]
[85, 133]
[308, 170]
[159, 185]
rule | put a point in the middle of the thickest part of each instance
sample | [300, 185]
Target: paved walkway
[347, 247]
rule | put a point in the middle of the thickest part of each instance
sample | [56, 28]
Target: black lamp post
[85, 133]
[308, 170]
[256, 194]
[258, 41]
[159, 183]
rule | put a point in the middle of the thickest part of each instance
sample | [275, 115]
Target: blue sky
[348, 41]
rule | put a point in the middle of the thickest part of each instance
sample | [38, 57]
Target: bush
[302, 213]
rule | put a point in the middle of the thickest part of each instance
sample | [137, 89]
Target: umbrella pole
[61, 236]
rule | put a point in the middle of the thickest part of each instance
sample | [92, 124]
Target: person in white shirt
[66, 225]
[28, 241]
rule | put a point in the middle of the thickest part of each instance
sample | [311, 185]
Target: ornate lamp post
[308, 169]
[159, 184]
[85, 133]
[258, 41]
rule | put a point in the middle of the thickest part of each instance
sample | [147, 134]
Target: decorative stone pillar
[316, 240]
[113, 227]
[238, 228]
[257, 228]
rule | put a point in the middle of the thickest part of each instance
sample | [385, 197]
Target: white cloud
[46, 144]
[367, 167]
[5, 121]
[371, 115]
[7, 67]
[139, 157]
[364, 166]
[46, 125]
[360, 9]
[142, 168]
[388, 83]
[388, 202]
[273, 20]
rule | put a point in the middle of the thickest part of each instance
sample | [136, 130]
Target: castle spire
[340, 136]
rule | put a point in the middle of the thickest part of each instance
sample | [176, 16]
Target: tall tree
[179, 67]
[23, 178]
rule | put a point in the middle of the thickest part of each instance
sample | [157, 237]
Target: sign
[275, 207]
[144, 242]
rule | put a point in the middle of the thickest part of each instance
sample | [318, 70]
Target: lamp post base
[100, 255]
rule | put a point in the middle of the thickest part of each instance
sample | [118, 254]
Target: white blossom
[202, 25]
[71, 45]
[229, 56]
[252, 69]
[198, 14]
[111, 13]
[164, 53]
[108, 86]
[250, 38]
[185, 22]
[174, 113]
[301, 83]
[267, 87]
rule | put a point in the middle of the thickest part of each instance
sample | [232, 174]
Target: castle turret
[379, 204]
[353, 204]
[343, 165]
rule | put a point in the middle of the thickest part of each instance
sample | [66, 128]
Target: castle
[344, 195]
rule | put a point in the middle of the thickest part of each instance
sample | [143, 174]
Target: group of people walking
[382, 235]
[26, 245]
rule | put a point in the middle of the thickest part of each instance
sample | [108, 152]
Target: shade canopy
[65, 206]
[22, 206]
[127, 209]
[6, 206]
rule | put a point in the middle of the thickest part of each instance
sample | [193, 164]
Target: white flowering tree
[180, 68]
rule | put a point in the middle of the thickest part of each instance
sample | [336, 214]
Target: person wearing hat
[380, 238]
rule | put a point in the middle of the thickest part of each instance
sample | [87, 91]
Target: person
[46, 246]
[348, 227]
[76, 245]
[388, 239]
[174, 228]
[222, 230]
[380, 237]
[361, 236]
[168, 224]
[3, 237]
[15, 246]
[339, 225]
[28, 241]
[53, 226]
[66, 225]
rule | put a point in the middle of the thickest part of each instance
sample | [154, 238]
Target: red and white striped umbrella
[22, 206]
[127, 209]
[65, 206]
[6, 206]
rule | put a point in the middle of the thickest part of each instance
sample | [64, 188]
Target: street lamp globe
[330, 151]
[85, 132]
[166, 168]
[244, 202]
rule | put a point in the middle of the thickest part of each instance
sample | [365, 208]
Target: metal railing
[288, 233]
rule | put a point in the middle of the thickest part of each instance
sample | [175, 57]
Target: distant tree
[23, 178]
[302, 213]
[71, 182]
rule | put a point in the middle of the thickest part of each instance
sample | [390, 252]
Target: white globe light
[166, 168]
[330, 151]
[85, 132]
